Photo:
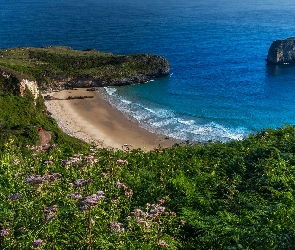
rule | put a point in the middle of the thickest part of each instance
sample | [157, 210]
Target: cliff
[63, 67]
[282, 52]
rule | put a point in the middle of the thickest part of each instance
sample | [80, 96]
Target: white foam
[126, 101]
[111, 91]
[166, 122]
[186, 122]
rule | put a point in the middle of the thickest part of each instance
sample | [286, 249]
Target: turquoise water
[220, 87]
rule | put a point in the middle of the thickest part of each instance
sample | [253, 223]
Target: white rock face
[31, 85]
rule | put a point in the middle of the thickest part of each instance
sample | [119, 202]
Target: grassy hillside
[60, 63]
[238, 195]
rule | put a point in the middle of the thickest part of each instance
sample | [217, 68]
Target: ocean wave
[110, 90]
[164, 121]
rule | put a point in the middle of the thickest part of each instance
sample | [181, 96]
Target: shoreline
[96, 121]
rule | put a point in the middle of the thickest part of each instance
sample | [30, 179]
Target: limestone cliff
[30, 85]
[282, 52]
[14, 83]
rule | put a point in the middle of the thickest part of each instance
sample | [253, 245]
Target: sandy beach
[95, 120]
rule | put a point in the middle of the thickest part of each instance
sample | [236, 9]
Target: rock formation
[282, 52]
[31, 85]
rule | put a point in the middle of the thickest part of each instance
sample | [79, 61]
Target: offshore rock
[282, 52]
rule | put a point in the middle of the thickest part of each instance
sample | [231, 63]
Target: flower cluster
[37, 243]
[90, 159]
[34, 148]
[5, 232]
[117, 227]
[75, 196]
[122, 161]
[14, 197]
[121, 184]
[76, 159]
[152, 215]
[128, 192]
[49, 162]
[38, 179]
[162, 243]
[92, 200]
[51, 177]
[50, 212]
[82, 182]
[18, 175]
[34, 179]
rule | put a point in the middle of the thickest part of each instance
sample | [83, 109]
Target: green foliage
[44, 64]
[20, 119]
[237, 195]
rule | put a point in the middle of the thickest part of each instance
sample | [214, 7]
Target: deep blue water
[220, 87]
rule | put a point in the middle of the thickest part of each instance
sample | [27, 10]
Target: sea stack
[282, 52]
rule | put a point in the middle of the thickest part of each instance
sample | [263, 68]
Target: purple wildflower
[90, 159]
[162, 243]
[117, 227]
[122, 161]
[51, 209]
[48, 162]
[129, 193]
[182, 222]
[49, 216]
[161, 201]
[78, 155]
[81, 182]
[51, 177]
[50, 212]
[75, 196]
[157, 210]
[120, 184]
[91, 201]
[34, 179]
[18, 175]
[14, 196]
[5, 232]
[37, 243]
[139, 212]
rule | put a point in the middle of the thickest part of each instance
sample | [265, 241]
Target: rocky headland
[282, 52]
[58, 68]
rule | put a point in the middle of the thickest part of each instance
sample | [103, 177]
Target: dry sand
[95, 120]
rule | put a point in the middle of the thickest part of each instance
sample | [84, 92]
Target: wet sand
[95, 120]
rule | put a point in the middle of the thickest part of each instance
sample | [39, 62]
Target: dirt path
[45, 138]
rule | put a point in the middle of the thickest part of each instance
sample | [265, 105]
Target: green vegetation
[20, 120]
[235, 195]
[54, 63]
[238, 195]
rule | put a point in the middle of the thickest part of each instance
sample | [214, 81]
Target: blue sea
[219, 87]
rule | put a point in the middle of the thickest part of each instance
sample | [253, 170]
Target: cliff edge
[282, 52]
